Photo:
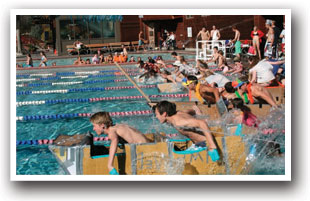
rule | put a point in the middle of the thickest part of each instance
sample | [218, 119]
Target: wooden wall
[130, 27]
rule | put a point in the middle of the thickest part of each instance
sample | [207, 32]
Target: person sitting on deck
[29, 62]
[95, 59]
[132, 60]
[219, 59]
[116, 58]
[43, 62]
[78, 61]
[195, 129]
[122, 58]
[101, 58]
[102, 123]
[204, 92]
[237, 67]
[87, 61]
[109, 59]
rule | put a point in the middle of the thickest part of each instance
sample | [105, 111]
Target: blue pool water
[38, 160]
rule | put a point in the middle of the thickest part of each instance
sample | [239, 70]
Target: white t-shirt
[214, 36]
[283, 33]
[219, 79]
[263, 71]
[172, 37]
[188, 70]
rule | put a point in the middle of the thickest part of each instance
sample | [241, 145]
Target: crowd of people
[209, 80]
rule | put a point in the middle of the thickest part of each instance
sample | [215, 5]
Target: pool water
[38, 160]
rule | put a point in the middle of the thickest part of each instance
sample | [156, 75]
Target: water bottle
[251, 157]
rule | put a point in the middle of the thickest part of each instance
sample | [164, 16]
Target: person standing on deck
[236, 41]
[216, 35]
[277, 33]
[205, 35]
[257, 35]
[141, 41]
[270, 39]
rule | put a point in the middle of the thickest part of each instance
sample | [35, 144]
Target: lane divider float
[76, 100]
[71, 83]
[82, 90]
[81, 115]
[71, 73]
[51, 141]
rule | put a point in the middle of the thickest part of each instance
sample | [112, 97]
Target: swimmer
[204, 92]
[195, 129]
[244, 114]
[250, 92]
[102, 123]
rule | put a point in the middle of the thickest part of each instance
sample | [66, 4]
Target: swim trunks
[238, 47]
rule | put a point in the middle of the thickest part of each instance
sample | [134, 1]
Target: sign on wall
[189, 32]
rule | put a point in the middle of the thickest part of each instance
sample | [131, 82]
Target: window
[108, 29]
[66, 30]
[94, 30]
[80, 30]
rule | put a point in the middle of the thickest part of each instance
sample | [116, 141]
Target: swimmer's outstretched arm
[113, 147]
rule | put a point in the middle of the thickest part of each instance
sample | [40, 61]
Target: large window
[81, 29]
[66, 30]
[108, 29]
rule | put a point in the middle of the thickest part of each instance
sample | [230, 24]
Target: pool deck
[51, 56]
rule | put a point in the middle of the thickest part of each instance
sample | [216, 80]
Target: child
[245, 116]
[43, 60]
[95, 59]
[102, 123]
[237, 68]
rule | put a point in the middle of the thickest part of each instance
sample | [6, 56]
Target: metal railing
[204, 48]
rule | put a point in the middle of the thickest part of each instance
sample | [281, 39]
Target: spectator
[257, 35]
[43, 60]
[276, 39]
[282, 35]
[29, 62]
[95, 59]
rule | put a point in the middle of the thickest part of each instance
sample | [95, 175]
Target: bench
[101, 46]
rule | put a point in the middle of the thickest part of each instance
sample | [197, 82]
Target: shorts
[238, 47]
[201, 144]
[141, 42]
[268, 50]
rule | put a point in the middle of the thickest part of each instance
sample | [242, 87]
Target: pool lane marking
[56, 101]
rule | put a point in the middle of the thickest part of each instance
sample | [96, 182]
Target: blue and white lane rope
[71, 73]
[51, 141]
[80, 115]
[70, 83]
[73, 77]
[77, 100]
[64, 91]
